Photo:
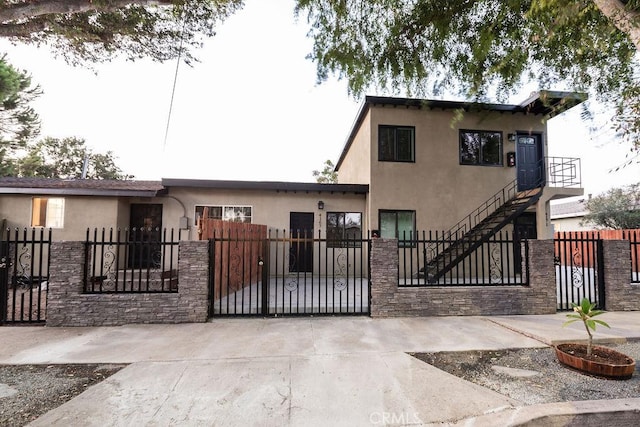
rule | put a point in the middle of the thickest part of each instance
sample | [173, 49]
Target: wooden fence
[236, 251]
[571, 245]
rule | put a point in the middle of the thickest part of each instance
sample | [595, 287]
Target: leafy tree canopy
[62, 158]
[618, 208]
[89, 31]
[18, 120]
[327, 175]
[483, 48]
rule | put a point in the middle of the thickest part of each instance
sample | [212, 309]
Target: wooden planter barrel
[609, 363]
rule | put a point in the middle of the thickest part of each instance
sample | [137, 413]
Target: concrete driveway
[339, 371]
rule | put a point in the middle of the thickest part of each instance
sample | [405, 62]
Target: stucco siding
[356, 166]
[436, 186]
[271, 208]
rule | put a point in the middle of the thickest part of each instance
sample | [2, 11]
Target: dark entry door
[145, 227]
[528, 161]
[524, 227]
[301, 251]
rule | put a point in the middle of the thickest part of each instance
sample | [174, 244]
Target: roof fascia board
[76, 192]
[265, 185]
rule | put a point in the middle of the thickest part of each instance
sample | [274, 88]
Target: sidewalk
[347, 371]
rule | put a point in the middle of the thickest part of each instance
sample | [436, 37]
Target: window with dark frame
[344, 229]
[396, 143]
[399, 224]
[482, 148]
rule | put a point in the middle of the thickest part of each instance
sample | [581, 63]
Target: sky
[251, 109]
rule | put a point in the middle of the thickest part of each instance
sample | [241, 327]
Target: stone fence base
[67, 305]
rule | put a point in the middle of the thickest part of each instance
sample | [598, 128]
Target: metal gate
[24, 275]
[269, 275]
[579, 269]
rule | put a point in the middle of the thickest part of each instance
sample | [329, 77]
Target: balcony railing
[563, 172]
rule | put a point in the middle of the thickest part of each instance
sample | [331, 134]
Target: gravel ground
[549, 381]
[28, 391]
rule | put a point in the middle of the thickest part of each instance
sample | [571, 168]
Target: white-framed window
[47, 212]
[225, 213]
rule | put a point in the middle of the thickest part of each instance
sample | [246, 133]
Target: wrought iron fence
[497, 261]
[131, 260]
[578, 261]
[287, 273]
[633, 236]
[24, 275]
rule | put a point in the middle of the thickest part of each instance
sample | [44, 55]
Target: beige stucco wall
[436, 186]
[269, 207]
[80, 213]
[354, 169]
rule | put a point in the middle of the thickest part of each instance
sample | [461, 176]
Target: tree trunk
[624, 19]
[30, 9]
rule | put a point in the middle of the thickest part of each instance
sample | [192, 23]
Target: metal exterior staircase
[477, 228]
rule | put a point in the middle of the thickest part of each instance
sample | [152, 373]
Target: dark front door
[528, 161]
[301, 251]
[524, 228]
[145, 227]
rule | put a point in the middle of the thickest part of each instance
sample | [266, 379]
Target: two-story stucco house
[407, 165]
[429, 164]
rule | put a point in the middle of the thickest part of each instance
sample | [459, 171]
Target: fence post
[542, 275]
[66, 279]
[384, 275]
[622, 295]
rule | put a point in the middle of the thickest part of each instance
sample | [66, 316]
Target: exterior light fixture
[320, 205]
[511, 137]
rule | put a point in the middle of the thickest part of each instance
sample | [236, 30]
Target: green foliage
[62, 158]
[89, 32]
[585, 312]
[480, 49]
[328, 175]
[18, 120]
[618, 208]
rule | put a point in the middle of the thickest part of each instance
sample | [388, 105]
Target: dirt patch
[533, 376]
[29, 391]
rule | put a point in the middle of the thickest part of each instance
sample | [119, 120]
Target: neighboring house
[407, 165]
[568, 215]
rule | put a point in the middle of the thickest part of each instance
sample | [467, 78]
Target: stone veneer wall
[388, 299]
[620, 293]
[67, 305]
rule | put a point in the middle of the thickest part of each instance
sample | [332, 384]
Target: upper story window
[396, 143]
[344, 229]
[225, 213]
[479, 147]
[47, 212]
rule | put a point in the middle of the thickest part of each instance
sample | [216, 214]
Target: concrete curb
[584, 413]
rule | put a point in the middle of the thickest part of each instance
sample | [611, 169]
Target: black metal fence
[24, 275]
[288, 274]
[633, 236]
[578, 260]
[424, 255]
[131, 260]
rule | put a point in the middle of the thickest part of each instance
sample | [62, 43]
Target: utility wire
[175, 79]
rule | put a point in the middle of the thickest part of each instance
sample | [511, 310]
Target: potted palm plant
[594, 360]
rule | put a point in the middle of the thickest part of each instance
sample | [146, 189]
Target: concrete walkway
[335, 371]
